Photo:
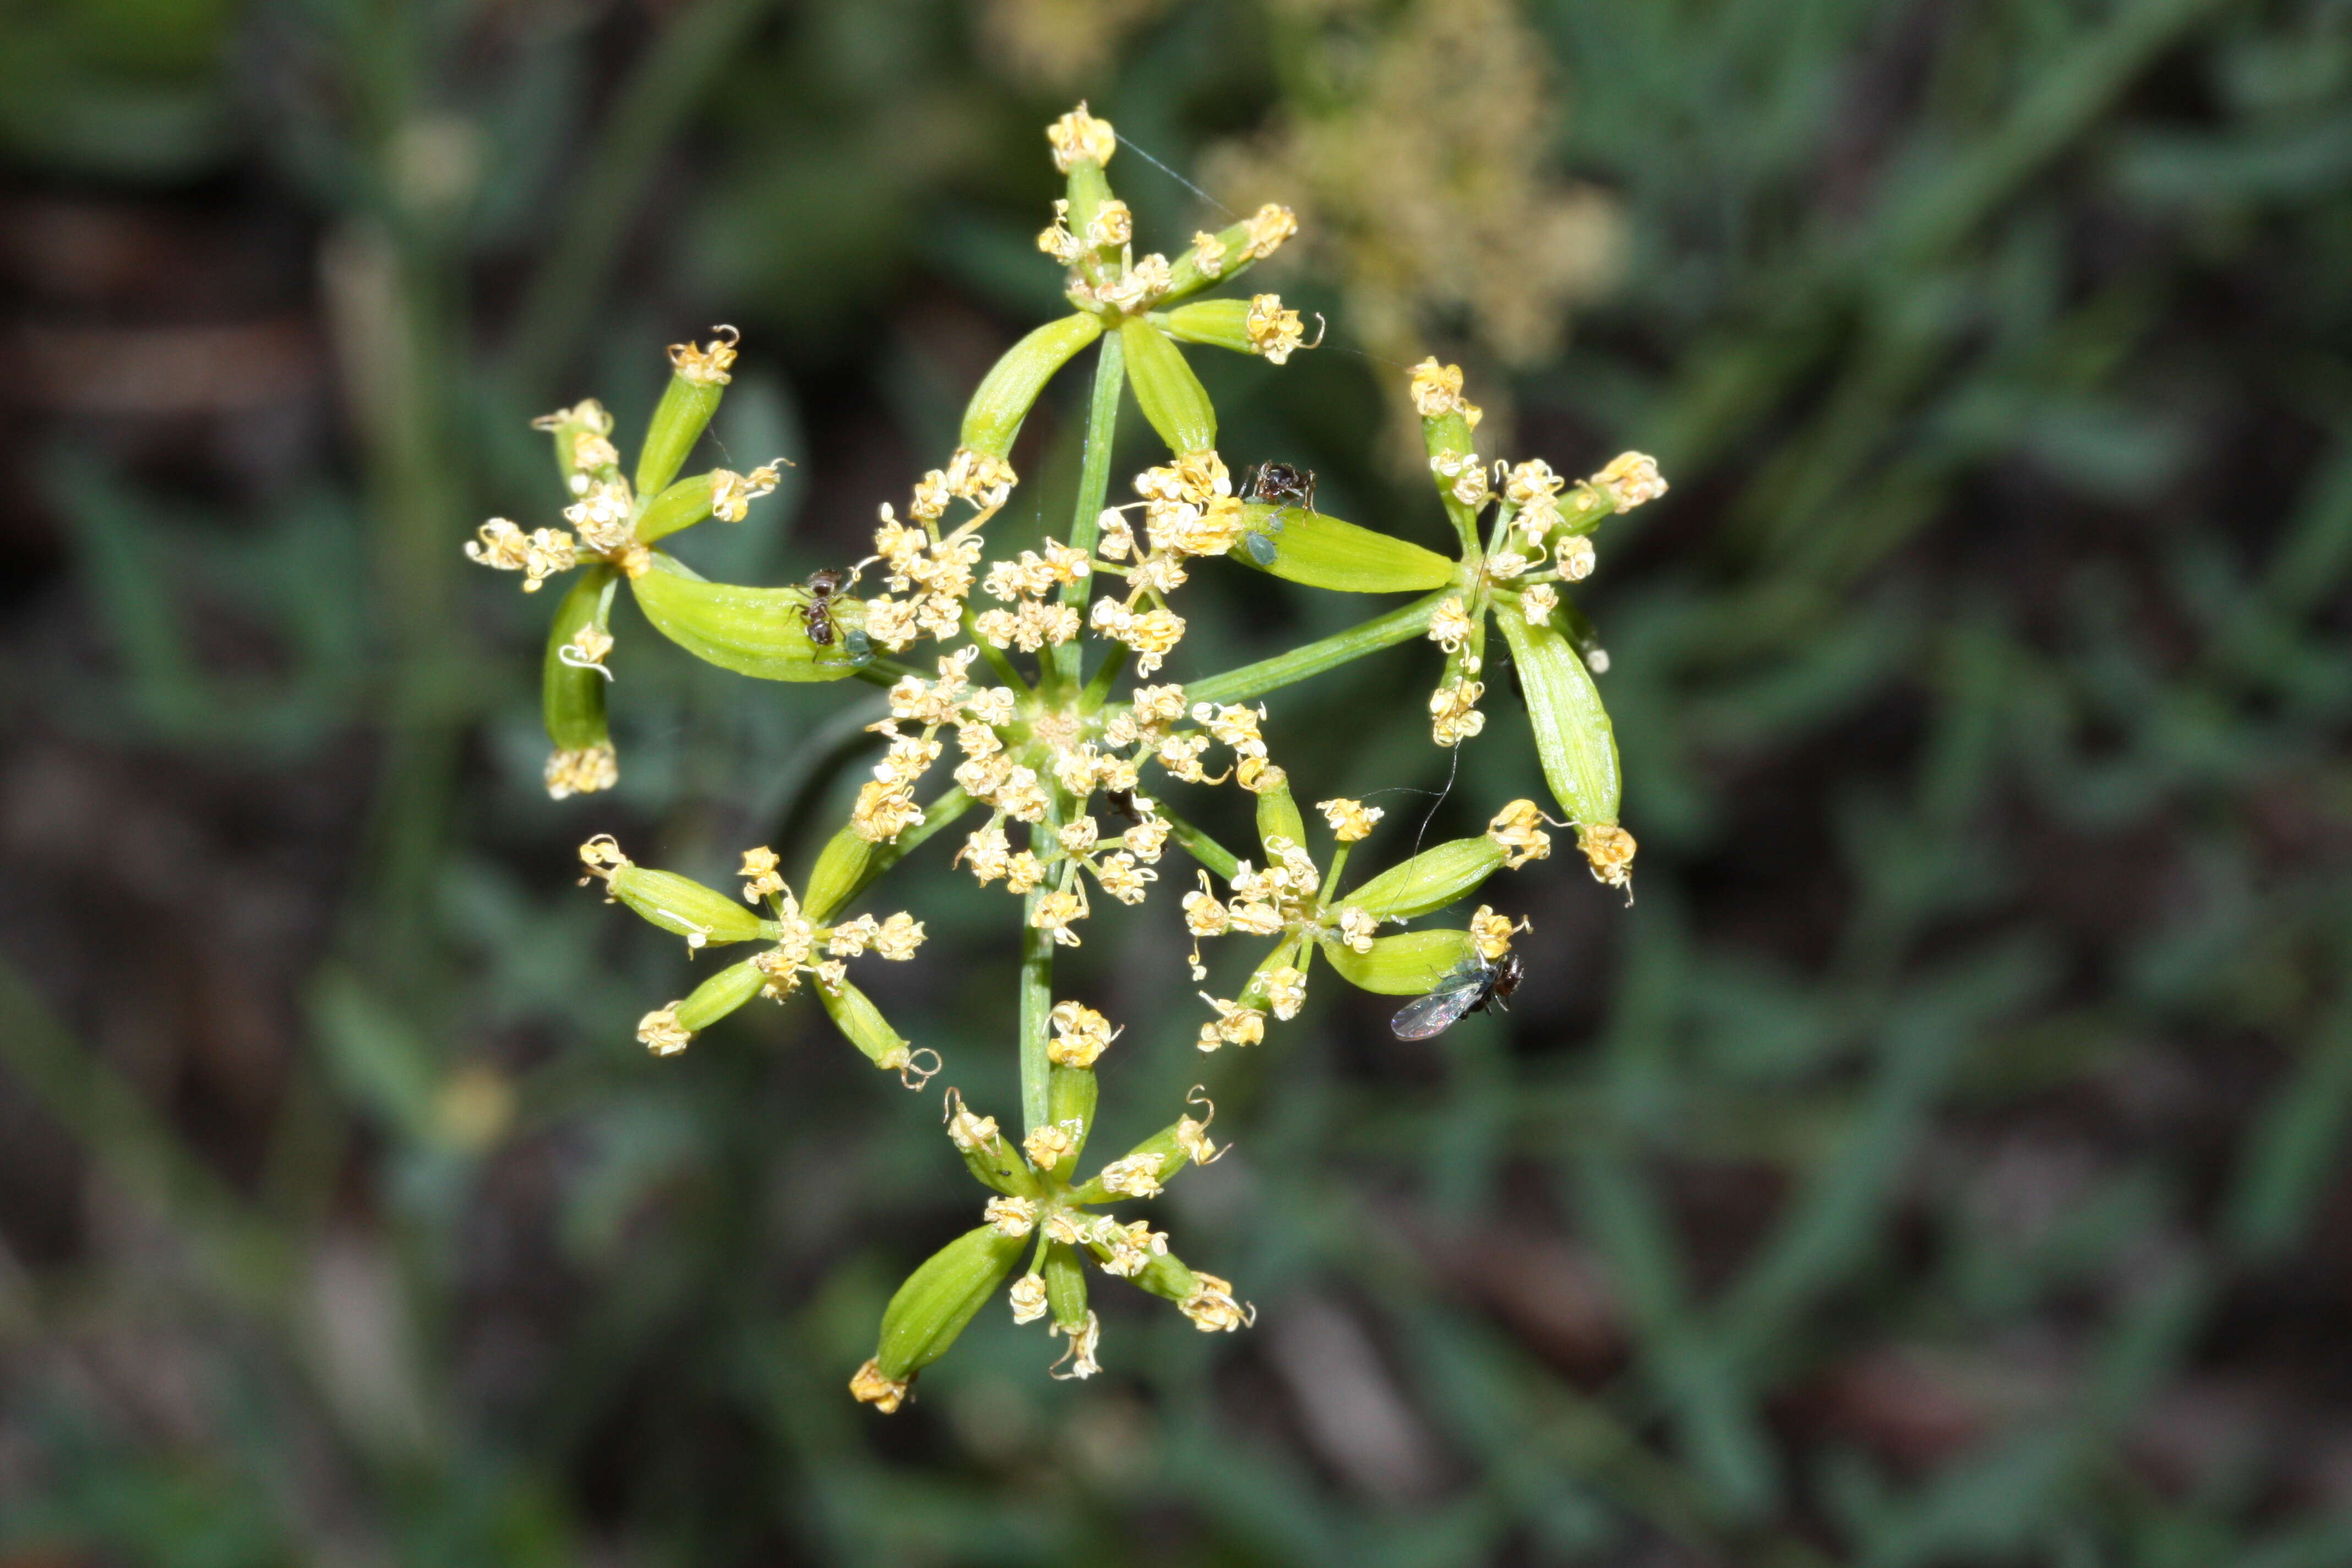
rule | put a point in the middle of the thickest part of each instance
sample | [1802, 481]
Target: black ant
[1281, 484]
[818, 612]
[1277, 485]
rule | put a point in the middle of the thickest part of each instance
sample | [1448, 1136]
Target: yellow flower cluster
[1188, 510]
[731, 494]
[1517, 829]
[538, 555]
[604, 511]
[797, 940]
[582, 769]
[707, 365]
[1081, 1034]
[1056, 759]
[1532, 546]
[1273, 330]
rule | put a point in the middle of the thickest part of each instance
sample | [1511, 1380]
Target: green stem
[1384, 631]
[1036, 1006]
[1098, 690]
[1094, 486]
[1331, 878]
[1466, 525]
[1200, 846]
[1498, 527]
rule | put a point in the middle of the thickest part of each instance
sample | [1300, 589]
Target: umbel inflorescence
[1061, 762]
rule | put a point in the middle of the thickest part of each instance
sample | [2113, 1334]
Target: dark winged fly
[1275, 484]
[1474, 986]
[818, 612]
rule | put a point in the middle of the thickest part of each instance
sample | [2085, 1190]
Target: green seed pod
[1088, 189]
[938, 1298]
[682, 505]
[1429, 880]
[1574, 738]
[704, 916]
[993, 1159]
[1003, 397]
[1277, 818]
[595, 458]
[719, 996]
[1066, 1285]
[1447, 436]
[572, 693]
[848, 863]
[1219, 323]
[1070, 1105]
[1234, 258]
[1322, 552]
[680, 419]
[1410, 964]
[1167, 391]
[1584, 509]
[758, 632]
[839, 871]
[863, 1025]
[1165, 1147]
[1167, 1278]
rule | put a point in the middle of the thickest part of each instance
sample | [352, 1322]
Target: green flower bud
[702, 915]
[572, 688]
[1218, 323]
[940, 1298]
[684, 410]
[999, 1167]
[719, 996]
[1003, 399]
[1225, 256]
[1429, 880]
[1410, 964]
[1088, 189]
[1167, 1278]
[1277, 816]
[1321, 551]
[682, 505]
[1584, 509]
[758, 632]
[1170, 394]
[1447, 435]
[988, 1154]
[861, 1022]
[1207, 1300]
[1066, 1285]
[1151, 1163]
[1070, 1105]
[584, 446]
[1574, 738]
[839, 872]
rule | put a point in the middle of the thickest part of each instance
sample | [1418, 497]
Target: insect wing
[1425, 1016]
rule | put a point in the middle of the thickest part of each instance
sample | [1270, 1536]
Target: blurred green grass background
[1940, 1163]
